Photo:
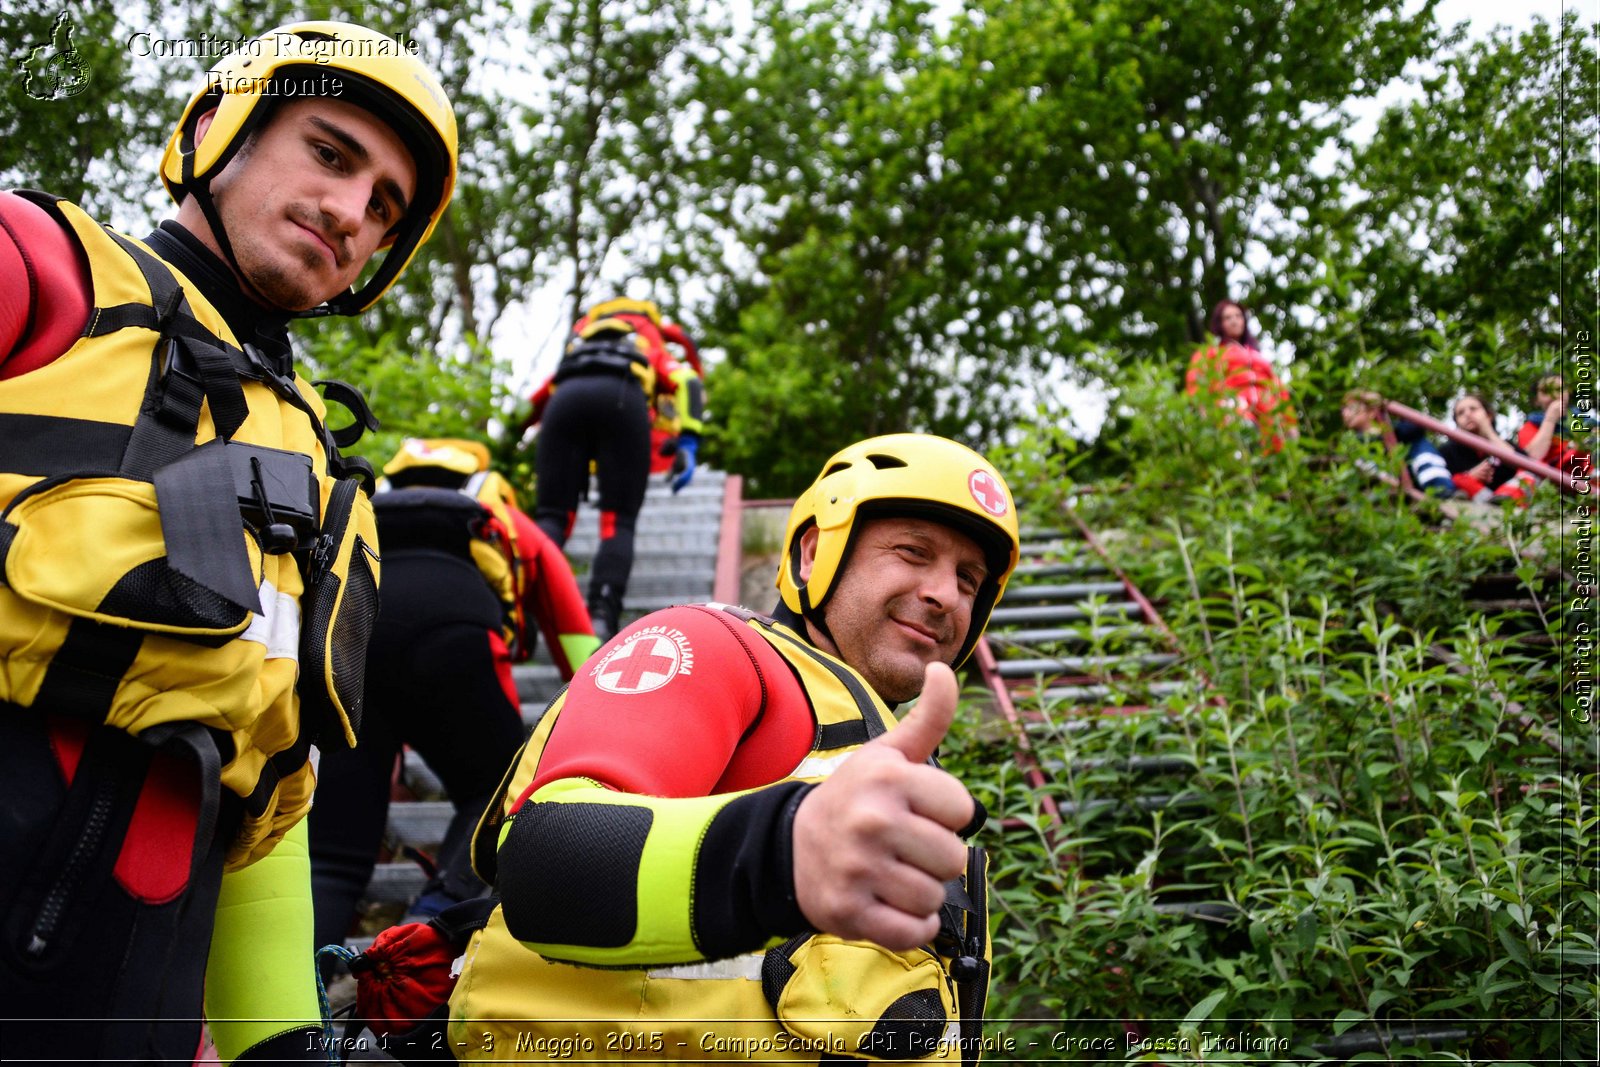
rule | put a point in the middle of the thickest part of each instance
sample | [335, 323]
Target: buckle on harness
[278, 495]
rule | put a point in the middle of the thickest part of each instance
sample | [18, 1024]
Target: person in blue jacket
[1363, 413]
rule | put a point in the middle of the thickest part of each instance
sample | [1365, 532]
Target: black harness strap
[606, 355]
[82, 678]
[200, 524]
[44, 445]
[836, 735]
[198, 369]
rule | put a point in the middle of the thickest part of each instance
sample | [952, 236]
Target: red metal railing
[1027, 762]
[1499, 449]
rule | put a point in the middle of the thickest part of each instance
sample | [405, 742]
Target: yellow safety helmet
[339, 59]
[623, 305]
[455, 454]
[901, 475]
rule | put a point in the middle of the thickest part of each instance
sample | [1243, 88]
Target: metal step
[1069, 635]
[689, 535]
[1004, 616]
[644, 605]
[1071, 591]
[1216, 911]
[420, 823]
[536, 682]
[695, 494]
[419, 777]
[656, 582]
[1028, 668]
[653, 556]
[1099, 694]
[1060, 569]
[1067, 549]
[1142, 765]
[395, 883]
[1156, 802]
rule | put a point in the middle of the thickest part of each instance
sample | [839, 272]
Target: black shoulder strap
[197, 368]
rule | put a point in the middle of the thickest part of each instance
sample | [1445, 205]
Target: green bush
[416, 394]
[1388, 785]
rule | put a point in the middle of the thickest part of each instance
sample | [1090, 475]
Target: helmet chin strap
[814, 616]
[808, 611]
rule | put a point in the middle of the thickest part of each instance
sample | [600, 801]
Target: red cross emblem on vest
[987, 491]
[645, 662]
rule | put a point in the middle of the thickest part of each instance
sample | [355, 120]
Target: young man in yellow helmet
[189, 566]
[719, 843]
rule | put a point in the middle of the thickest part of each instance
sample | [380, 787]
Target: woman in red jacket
[1240, 378]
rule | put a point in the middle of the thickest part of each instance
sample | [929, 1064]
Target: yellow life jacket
[180, 541]
[811, 995]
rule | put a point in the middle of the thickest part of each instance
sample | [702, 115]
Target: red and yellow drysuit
[644, 865]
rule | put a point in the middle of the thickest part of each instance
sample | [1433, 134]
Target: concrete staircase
[1073, 645]
[1071, 638]
[675, 560]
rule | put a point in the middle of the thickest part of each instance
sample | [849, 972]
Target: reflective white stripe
[278, 625]
[1429, 461]
[747, 967]
[820, 766]
[952, 1034]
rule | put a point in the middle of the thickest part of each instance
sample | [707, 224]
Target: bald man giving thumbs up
[720, 841]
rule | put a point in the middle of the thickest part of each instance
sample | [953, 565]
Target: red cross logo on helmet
[986, 490]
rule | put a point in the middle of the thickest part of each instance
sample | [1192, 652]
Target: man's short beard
[281, 288]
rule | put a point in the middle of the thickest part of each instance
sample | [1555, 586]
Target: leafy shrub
[1374, 774]
[414, 394]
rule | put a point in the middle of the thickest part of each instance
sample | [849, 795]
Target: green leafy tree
[75, 113]
[603, 130]
[876, 298]
[946, 218]
[1463, 257]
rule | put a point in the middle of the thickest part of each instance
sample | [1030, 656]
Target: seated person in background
[1484, 478]
[1241, 379]
[1544, 436]
[1363, 413]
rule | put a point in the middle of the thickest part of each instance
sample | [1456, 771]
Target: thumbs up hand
[875, 842]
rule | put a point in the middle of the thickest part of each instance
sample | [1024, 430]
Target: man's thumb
[919, 733]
